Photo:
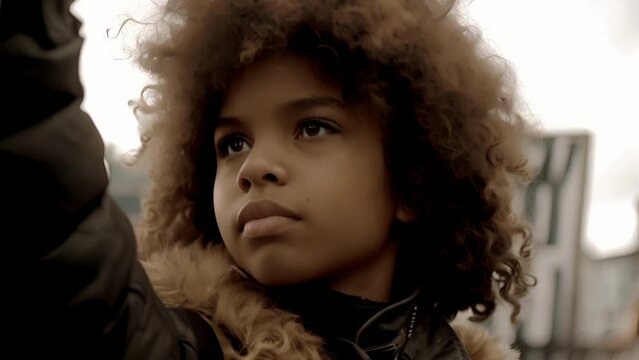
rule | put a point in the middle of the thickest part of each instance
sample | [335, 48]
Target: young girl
[331, 179]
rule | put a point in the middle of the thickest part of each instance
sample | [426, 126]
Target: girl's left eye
[314, 127]
[232, 144]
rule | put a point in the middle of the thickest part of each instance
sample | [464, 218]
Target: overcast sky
[577, 63]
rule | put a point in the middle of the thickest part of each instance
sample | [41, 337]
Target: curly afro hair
[453, 132]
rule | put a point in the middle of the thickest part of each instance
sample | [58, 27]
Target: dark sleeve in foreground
[74, 286]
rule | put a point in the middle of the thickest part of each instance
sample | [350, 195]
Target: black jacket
[75, 287]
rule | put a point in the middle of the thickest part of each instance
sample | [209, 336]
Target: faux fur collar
[204, 280]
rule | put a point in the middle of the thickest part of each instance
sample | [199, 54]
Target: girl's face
[301, 190]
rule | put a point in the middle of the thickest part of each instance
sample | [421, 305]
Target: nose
[261, 167]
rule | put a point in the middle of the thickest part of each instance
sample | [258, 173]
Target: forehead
[277, 78]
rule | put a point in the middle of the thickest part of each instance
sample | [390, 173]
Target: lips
[262, 209]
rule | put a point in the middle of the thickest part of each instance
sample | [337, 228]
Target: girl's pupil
[236, 144]
[312, 129]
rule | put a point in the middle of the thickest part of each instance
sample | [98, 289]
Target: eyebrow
[311, 102]
[297, 105]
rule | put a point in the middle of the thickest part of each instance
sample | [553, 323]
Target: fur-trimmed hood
[204, 279]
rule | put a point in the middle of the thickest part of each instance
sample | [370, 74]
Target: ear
[404, 214]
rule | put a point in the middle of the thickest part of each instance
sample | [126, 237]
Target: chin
[278, 274]
[283, 277]
[276, 266]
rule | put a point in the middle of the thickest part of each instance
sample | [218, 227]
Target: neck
[371, 279]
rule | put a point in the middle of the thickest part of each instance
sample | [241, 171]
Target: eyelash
[315, 121]
[223, 144]
[225, 141]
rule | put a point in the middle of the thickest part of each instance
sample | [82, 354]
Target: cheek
[364, 173]
[222, 196]
[357, 185]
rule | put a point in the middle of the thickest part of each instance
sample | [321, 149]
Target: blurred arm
[75, 287]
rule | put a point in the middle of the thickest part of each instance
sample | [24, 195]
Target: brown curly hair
[453, 133]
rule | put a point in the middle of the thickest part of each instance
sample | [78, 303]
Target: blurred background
[577, 63]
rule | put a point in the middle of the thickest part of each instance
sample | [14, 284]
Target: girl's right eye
[231, 145]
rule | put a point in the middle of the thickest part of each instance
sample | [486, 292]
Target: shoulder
[204, 279]
[481, 344]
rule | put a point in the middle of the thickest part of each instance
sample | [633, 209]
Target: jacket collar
[412, 334]
[200, 278]
[392, 330]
